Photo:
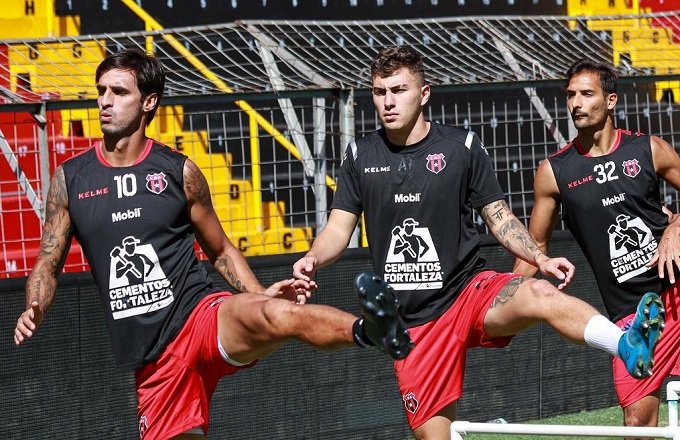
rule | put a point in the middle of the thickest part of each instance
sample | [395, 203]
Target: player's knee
[542, 290]
[537, 297]
[641, 413]
[636, 419]
[279, 315]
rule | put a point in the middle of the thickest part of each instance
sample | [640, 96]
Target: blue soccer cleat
[636, 346]
[382, 323]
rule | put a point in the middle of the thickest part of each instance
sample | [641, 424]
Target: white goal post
[671, 431]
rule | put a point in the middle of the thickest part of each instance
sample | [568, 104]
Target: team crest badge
[631, 168]
[410, 402]
[156, 183]
[435, 162]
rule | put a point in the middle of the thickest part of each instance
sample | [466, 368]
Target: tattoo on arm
[507, 292]
[509, 231]
[57, 231]
[222, 267]
[54, 243]
[493, 213]
[514, 232]
[40, 288]
[195, 184]
[212, 241]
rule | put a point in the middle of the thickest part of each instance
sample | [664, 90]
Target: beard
[111, 129]
[581, 120]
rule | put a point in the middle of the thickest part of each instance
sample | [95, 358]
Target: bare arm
[512, 234]
[328, 245]
[667, 166]
[225, 257]
[666, 161]
[543, 215]
[41, 285]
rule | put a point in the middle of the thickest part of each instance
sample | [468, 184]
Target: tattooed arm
[227, 259]
[55, 242]
[512, 234]
[543, 215]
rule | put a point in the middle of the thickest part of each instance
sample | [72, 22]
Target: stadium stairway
[256, 227]
[638, 43]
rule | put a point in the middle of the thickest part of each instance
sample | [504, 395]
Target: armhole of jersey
[353, 146]
[182, 166]
[63, 173]
[469, 138]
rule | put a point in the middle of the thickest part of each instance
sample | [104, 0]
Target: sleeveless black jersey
[418, 203]
[133, 226]
[612, 206]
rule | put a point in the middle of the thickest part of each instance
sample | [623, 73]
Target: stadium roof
[257, 56]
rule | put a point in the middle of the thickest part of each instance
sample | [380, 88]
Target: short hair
[148, 70]
[390, 59]
[608, 77]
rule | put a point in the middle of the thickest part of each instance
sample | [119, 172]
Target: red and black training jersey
[612, 205]
[133, 226]
[418, 203]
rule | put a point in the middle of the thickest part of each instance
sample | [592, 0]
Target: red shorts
[174, 391]
[666, 355]
[431, 376]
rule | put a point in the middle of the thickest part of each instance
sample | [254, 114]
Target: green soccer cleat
[382, 323]
[636, 346]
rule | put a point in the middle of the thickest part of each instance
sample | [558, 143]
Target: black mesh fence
[64, 384]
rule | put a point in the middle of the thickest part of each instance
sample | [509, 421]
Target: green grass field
[607, 416]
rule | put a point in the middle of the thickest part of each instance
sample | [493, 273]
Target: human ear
[149, 102]
[612, 98]
[424, 94]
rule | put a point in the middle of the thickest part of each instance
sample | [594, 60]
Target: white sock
[602, 334]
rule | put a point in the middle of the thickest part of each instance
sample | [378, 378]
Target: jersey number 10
[126, 185]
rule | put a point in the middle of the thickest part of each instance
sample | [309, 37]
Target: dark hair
[606, 73]
[390, 59]
[146, 67]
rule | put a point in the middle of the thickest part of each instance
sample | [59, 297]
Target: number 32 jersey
[612, 205]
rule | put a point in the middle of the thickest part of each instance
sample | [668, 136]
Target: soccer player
[607, 182]
[165, 319]
[415, 178]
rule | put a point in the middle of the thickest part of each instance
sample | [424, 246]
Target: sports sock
[603, 334]
[358, 334]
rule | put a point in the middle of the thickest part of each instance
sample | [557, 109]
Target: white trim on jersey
[468, 139]
[353, 146]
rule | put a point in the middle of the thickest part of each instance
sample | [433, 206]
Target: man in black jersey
[137, 207]
[607, 183]
[415, 178]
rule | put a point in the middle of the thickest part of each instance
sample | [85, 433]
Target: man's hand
[290, 289]
[668, 253]
[304, 271]
[560, 268]
[27, 323]
[305, 268]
